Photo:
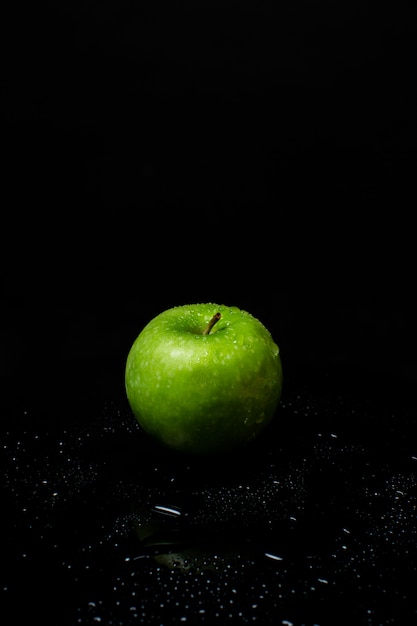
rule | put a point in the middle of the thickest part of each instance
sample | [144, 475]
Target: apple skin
[203, 393]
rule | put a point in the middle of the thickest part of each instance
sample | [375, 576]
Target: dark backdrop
[259, 154]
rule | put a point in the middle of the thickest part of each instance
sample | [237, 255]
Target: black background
[254, 154]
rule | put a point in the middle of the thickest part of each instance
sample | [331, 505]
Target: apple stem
[211, 323]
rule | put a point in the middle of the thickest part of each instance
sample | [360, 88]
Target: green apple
[204, 378]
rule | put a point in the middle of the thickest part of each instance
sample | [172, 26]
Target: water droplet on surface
[173, 511]
[273, 557]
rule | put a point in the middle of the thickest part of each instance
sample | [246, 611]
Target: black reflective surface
[313, 524]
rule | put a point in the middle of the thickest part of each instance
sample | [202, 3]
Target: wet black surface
[314, 524]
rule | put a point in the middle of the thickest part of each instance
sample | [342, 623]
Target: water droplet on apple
[275, 350]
